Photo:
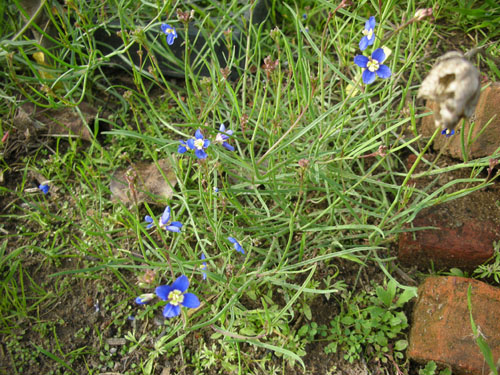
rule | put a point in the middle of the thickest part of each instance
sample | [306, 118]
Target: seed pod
[453, 83]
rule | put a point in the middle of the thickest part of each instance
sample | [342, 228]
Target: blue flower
[373, 66]
[369, 34]
[144, 298]
[149, 220]
[237, 245]
[44, 188]
[203, 267]
[448, 132]
[170, 32]
[198, 144]
[223, 136]
[176, 297]
[174, 226]
[165, 223]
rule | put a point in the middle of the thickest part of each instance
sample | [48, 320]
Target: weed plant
[308, 171]
[366, 325]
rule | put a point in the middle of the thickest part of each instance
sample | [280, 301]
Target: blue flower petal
[225, 133]
[183, 147]
[361, 61]
[206, 143]
[174, 226]
[379, 55]
[165, 27]
[198, 134]
[191, 301]
[149, 220]
[200, 154]
[368, 77]
[181, 284]
[237, 245]
[44, 188]
[140, 301]
[163, 291]
[384, 71]
[165, 217]
[203, 266]
[190, 143]
[227, 146]
[363, 43]
[370, 23]
[170, 311]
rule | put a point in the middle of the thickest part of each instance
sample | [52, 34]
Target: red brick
[485, 145]
[441, 329]
[454, 243]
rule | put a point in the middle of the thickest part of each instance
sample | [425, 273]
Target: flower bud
[144, 298]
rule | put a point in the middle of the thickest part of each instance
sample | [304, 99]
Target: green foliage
[430, 369]
[370, 322]
[477, 15]
[490, 269]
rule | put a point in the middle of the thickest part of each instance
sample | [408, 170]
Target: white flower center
[373, 65]
[218, 138]
[199, 144]
[368, 33]
[175, 297]
[169, 31]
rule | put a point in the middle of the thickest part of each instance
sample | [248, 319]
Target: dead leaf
[453, 83]
[146, 179]
[67, 121]
[56, 121]
[116, 341]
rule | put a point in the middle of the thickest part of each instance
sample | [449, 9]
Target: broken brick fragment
[441, 330]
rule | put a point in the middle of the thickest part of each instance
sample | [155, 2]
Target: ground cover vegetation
[283, 171]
